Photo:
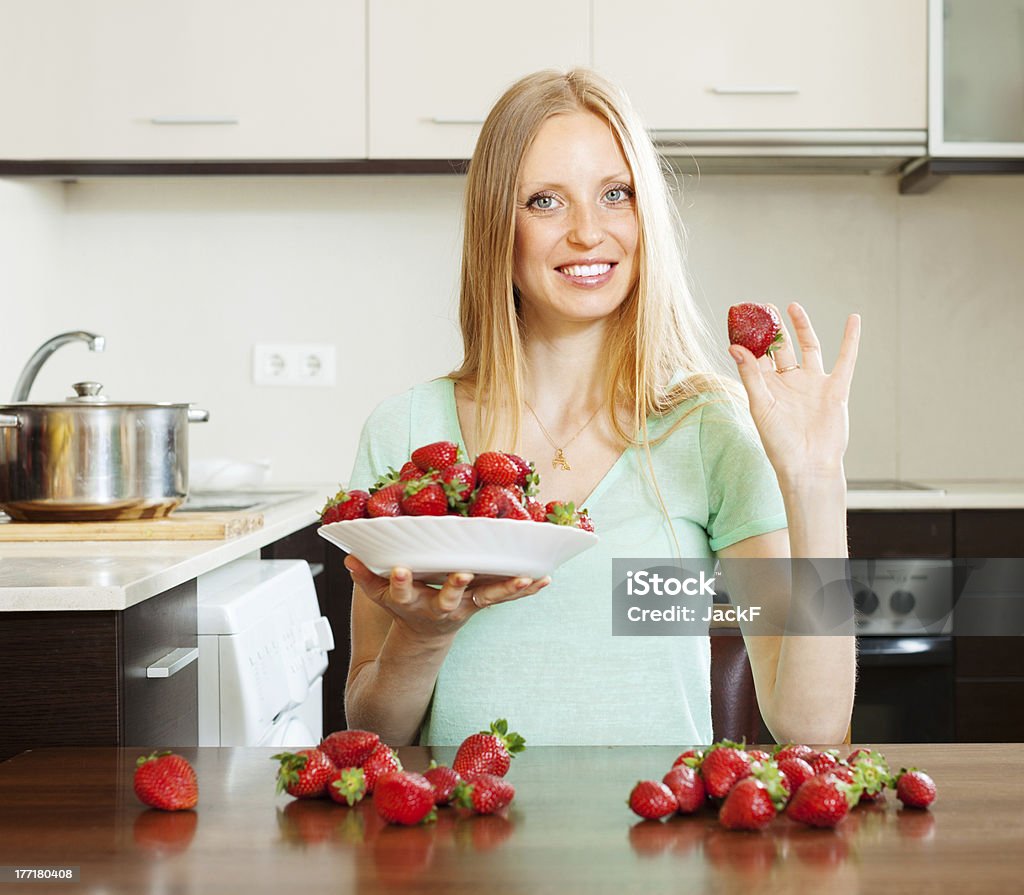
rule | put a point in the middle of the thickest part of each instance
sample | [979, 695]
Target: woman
[583, 345]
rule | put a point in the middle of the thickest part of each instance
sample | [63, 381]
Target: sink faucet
[42, 354]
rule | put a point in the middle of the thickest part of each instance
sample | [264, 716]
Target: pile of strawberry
[351, 764]
[751, 788]
[435, 482]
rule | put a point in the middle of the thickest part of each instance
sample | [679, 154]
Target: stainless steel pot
[90, 458]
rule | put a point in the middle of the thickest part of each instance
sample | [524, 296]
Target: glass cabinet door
[977, 77]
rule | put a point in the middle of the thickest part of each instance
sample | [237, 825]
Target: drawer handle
[194, 119]
[755, 91]
[173, 662]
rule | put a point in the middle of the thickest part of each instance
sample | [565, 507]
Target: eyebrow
[541, 184]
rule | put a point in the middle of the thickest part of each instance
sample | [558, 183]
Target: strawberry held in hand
[488, 752]
[756, 327]
[166, 781]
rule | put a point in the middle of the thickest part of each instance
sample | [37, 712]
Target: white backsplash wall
[184, 275]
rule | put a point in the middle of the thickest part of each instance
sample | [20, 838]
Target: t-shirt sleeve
[743, 493]
[384, 441]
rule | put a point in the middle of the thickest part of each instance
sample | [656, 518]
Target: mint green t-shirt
[549, 663]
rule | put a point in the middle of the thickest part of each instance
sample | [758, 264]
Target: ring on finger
[787, 369]
[477, 603]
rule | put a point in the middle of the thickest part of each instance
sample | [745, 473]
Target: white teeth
[586, 270]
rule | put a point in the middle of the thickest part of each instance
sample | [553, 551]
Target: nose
[585, 227]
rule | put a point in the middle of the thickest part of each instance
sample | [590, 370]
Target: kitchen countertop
[959, 494]
[104, 575]
[569, 830]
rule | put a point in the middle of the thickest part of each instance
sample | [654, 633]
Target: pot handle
[198, 416]
[7, 421]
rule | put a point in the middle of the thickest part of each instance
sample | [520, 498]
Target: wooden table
[569, 830]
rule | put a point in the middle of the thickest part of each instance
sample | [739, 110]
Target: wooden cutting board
[176, 527]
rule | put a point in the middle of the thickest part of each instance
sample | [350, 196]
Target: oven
[905, 680]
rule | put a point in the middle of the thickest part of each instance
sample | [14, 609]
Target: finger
[402, 589]
[372, 584]
[453, 591]
[847, 359]
[512, 589]
[806, 338]
[785, 354]
[751, 375]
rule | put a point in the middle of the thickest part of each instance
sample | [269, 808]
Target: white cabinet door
[756, 65]
[436, 67]
[192, 79]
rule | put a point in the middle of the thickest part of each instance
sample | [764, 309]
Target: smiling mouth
[585, 270]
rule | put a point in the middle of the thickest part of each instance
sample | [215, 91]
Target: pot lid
[88, 394]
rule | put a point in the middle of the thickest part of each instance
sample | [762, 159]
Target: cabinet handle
[195, 119]
[173, 662]
[441, 119]
[755, 91]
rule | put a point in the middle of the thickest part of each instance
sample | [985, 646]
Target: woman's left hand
[801, 414]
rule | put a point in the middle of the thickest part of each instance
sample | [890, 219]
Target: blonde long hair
[657, 347]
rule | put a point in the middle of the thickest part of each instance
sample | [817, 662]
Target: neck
[565, 375]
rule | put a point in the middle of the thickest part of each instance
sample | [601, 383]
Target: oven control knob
[865, 601]
[902, 601]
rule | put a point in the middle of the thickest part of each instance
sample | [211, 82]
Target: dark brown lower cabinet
[80, 678]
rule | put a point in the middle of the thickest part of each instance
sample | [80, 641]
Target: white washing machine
[263, 648]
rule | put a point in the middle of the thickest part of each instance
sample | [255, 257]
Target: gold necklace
[559, 461]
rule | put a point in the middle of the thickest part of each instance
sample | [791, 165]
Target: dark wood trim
[71, 168]
[912, 534]
[924, 175]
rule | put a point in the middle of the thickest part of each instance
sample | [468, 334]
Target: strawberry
[409, 471]
[756, 327]
[484, 793]
[652, 800]
[527, 478]
[488, 752]
[485, 503]
[748, 806]
[584, 521]
[536, 509]
[496, 468]
[437, 455]
[687, 786]
[691, 757]
[822, 801]
[821, 762]
[915, 788]
[561, 513]
[724, 765]
[402, 797]
[382, 760]
[781, 753]
[387, 501]
[304, 774]
[347, 785]
[458, 481]
[510, 506]
[871, 771]
[424, 497]
[795, 771]
[758, 755]
[343, 506]
[349, 748]
[444, 780]
[166, 781]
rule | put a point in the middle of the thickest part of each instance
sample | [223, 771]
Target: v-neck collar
[603, 484]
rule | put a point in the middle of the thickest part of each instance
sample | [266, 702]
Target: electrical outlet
[293, 364]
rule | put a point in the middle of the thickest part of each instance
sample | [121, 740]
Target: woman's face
[576, 226]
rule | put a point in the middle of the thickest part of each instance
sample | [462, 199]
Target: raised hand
[801, 412]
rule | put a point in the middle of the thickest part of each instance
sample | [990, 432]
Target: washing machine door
[291, 732]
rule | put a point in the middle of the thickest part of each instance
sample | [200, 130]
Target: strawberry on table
[871, 772]
[822, 761]
[691, 757]
[347, 785]
[488, 752]
[402, 797]
[724, 765]
[304, 774]
[382, 760]
[748, 806]
[437, 455]
[343, 506]
[687, 786]
[349, 748]
[484, 793]
[795, 771]
[758, 755]
[166, 781]
[792, 751]
[652, 800]
[822, 801]
[915, 788]
[756, 327]
[444, 780]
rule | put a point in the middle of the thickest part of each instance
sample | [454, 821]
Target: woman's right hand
[429, 613]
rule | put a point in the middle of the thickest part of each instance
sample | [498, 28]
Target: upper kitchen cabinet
[747, 65]
[191, 80]
[436, 68]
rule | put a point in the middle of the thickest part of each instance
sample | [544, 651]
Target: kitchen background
[184, 275]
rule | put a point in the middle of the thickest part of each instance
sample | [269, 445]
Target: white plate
[434, 546]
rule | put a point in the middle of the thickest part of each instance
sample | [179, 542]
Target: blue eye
[619, 194]
[541, 202]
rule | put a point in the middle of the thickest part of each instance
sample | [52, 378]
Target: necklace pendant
[559, 461]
